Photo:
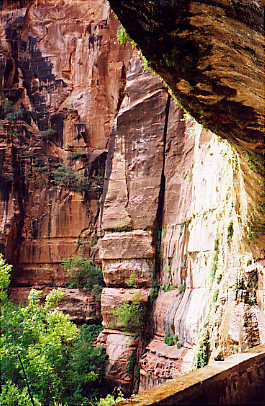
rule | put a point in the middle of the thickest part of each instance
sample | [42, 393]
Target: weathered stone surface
[181, 314]
[112, 299]
[132, 244]
[134, 183]
[205, 51]
[164, 173]
[211, 56]
[125, 273]
[69, 71]
[119, 347]
[239, 379]
[162, 362]
[79, 305]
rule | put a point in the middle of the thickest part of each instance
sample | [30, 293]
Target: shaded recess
[210, 54]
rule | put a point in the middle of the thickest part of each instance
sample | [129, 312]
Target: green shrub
[168, 287]
[122, 35]
[75, 181]
[131, 316]
[110, 399]
[47, 134]
[171, 339]
[181, 289]
[74, 156]
[11, 113]
[131, 281]
[84, 274]
[154, 291]
[203, 352]
[49, 361]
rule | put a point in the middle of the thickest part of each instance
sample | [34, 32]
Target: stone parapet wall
[237, 380]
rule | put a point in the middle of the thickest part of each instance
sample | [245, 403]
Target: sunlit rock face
[169, 200]
[61, 61]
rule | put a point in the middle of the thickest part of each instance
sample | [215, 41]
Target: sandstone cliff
[172, 212]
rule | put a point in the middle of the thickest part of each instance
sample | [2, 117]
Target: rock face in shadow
[164, 204]
[210, 54]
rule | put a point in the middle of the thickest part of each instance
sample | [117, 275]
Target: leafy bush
[44, 358]
[131, 281]
[84, 274]
[11, 113]
[111, 399]
[171, 339]
[75, 181]
[131, 316]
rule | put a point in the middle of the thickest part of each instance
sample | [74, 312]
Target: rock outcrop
[104, 152]
[61, 63]
[210, 53]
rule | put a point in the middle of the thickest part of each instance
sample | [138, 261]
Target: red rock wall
[164, 211]
[62, 62]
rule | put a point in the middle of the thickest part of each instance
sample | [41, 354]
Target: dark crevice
[107, 171]
[160, 208]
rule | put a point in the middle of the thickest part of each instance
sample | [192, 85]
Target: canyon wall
[162, 205]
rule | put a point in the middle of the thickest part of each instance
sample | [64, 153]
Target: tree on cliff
[45, 359]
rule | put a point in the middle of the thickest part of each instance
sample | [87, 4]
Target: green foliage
[203, 352]
[246, 288]
[230, 232]
[131, 364]
[75, 181]
[137, 373]
[122, 35]
[11, 113]
[154, 291]
[131, 316]
[110, 400]
[171, 339]
[86, 368]
[214, 263]
[131, 281]
[47, 134]
[74, 156]
[181, 289]
[44, 358]
[84, 274]
[4, 278]
[167, 288]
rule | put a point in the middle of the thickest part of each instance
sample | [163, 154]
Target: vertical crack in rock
[107, 171]
[18, 188]
[159, 216]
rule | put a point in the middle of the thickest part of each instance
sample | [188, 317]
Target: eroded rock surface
[211, 56]
[62, 63]
[175, 206]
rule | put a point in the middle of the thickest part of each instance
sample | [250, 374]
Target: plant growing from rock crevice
[131, 315]
[84, 274]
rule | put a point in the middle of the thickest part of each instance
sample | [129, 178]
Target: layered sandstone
[173, 211]
[211, 56]
[61, 61]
